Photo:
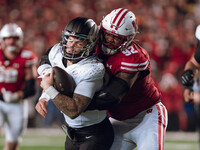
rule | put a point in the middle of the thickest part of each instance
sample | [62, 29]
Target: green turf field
[53, 139]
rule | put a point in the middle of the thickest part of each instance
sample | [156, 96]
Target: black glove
[187, 78]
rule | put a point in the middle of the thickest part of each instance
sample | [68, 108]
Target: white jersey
[197, 33]
[85, 71]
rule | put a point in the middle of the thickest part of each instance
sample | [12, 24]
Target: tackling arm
[112, 94]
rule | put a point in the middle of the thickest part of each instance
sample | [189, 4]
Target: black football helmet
[81, 28]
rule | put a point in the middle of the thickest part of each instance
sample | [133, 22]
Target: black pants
[96, 137]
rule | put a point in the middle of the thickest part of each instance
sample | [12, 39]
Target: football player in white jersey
[85, 130]
[16, 83]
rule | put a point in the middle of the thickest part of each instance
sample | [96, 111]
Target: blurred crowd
[166, 31]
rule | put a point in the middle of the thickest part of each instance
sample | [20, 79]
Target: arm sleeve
[110, 96]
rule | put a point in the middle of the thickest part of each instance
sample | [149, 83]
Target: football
[63, 82]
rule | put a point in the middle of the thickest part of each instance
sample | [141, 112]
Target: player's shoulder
[92, 68]
[55, 53]
[92, 63]
[54, 49]
[134, 53]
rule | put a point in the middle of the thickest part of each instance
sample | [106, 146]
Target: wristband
[45, 96]
[51, 92]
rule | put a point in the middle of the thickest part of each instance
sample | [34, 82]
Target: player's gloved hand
[8, 96]
[45, 72]
[187, 78]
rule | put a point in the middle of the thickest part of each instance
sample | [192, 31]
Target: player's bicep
[194, 62]
[130, 78]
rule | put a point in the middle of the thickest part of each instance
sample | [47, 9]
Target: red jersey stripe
[135, 64]
[159, 127]
[134, 67]
[164, 125]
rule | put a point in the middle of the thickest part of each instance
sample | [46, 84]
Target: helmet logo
[118, 18]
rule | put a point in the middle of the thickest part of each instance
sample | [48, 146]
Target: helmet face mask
[111, 48]
[83, 49]
[11, 30]
[120, 23]
[84, 30]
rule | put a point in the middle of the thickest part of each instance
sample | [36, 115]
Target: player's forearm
[192, 64]
[72, 107]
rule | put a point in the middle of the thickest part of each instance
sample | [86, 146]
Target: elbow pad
[110, 96]
[29, 89]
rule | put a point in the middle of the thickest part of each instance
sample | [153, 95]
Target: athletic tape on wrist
[51, 92]
[45, 96]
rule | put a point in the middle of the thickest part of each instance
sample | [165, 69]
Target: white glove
[8, 96]
[46, 96]
[45, 72]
